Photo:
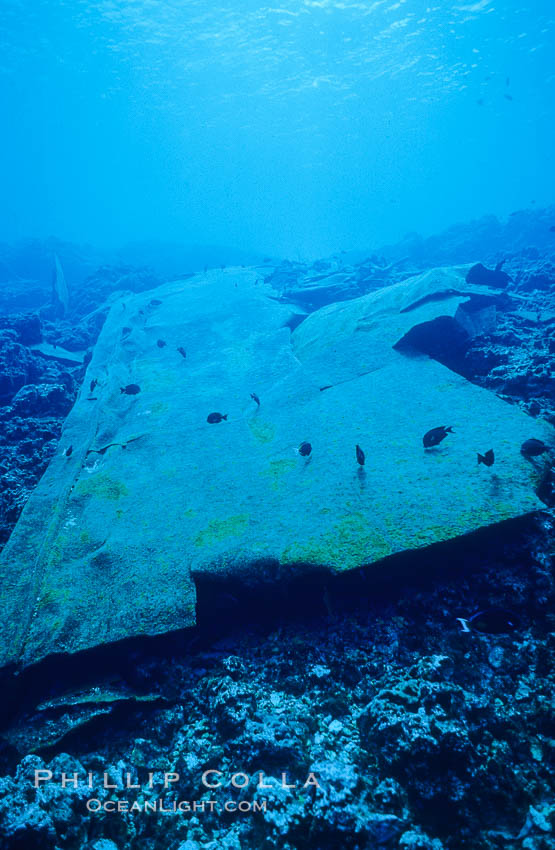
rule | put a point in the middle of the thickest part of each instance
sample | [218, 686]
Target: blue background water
[297, 129]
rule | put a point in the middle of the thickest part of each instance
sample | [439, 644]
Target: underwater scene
[277, 425]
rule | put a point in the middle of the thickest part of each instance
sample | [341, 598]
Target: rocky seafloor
[421, 735]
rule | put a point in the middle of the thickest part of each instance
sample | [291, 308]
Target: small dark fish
[155, 302]
[508, 96]
[493, 621]
[533, 448]
[255, 399]
[161, 343]
[327, 387]
[216, 417]
[68, 451]
[488, 459]
[507, 81]
[182, 351]
[125, 331]
[552, 228]
[130, 389]
[305, 449]
[94, 383]
[360, 455]
[435, 436]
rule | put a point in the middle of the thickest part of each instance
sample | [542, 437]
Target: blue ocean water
[294, 129]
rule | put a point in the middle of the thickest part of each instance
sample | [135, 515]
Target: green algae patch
[349, 543]
[220, 529]
[158, 407]
[101, 486]
[263, 432]
[53, 596]
[276, 469]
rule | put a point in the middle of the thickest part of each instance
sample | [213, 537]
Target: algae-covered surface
[152, 493]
